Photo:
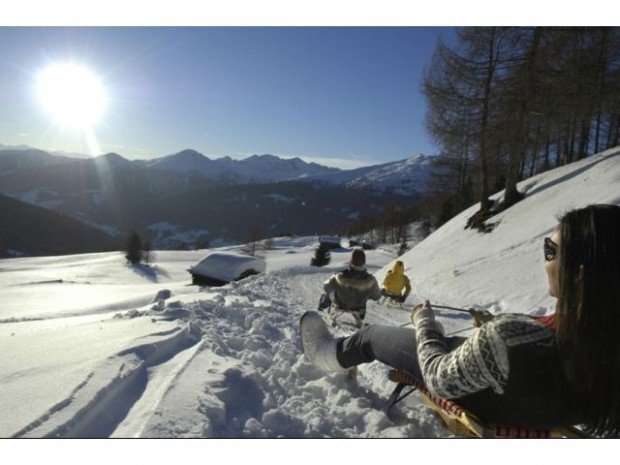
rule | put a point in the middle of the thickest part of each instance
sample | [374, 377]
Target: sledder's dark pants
[391, 345]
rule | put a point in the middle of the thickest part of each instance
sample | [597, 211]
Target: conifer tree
[402, 248]
[425, 228]
[134, 249]
[322, 256]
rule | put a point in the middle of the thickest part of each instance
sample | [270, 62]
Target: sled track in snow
[99, 404]
[253, 383]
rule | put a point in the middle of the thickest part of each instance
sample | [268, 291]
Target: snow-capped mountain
[184, 161]
[113, 160]
[403, 177]
[256, 168]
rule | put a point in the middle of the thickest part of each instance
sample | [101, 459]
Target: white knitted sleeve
[479, 363]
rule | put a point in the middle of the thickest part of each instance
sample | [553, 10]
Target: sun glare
[71, 94]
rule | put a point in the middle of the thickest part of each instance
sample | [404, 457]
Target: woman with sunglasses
[516, 369]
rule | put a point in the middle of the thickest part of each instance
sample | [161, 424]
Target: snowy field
[92, 347]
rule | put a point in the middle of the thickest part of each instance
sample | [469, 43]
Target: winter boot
[318, 344]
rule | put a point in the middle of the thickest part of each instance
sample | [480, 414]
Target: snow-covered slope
[504, 270]
[141, 352]
[93, 347]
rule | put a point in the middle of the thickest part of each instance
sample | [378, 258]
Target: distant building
[363, 244]
[219, 268]
[330, 242]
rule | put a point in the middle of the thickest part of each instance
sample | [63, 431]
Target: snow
[256, 168]
[43, 198]
[330, 239]
[227, 266]
[98, 196]
[169, 236]
[403, 177]
[280, 198]
[111, 230]
[29, 196]
[95, 347]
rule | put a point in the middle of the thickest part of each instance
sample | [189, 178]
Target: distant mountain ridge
[402, 177]
[256, 168]
[408, 176]
[190, 193]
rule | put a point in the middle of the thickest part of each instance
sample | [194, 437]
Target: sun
[71, 94]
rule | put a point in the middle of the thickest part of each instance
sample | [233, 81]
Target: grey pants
[391, 345]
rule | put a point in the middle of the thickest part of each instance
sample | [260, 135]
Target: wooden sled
[462, 423]
[390, 300]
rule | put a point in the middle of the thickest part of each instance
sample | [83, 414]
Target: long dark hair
[588, 312]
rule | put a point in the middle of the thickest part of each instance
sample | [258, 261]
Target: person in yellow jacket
[395, 282]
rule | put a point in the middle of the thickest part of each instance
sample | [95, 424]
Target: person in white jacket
[350, 289]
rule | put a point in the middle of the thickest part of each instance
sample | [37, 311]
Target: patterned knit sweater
[482, 361]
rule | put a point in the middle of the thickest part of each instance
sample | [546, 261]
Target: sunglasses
[550, 248]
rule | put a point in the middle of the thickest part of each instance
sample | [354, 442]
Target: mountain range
[179, 199]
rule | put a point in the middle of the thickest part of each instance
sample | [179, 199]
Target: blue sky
[342, 96]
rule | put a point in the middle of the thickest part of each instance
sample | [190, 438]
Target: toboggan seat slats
[462, 423]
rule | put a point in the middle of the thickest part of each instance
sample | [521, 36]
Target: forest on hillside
[506, 103]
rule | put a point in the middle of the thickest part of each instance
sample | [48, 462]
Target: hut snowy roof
[227, 266]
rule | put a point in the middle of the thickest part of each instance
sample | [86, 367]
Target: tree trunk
[464, 165]
[571, 145]
[535, 151]
[485, 204]
[602, 65]
[598, 128]
[584, 139]
[610, 132]
[546, 164]
[517, 152]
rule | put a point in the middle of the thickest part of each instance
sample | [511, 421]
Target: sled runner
[462, 423]
[334, 314]
[391, 301]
